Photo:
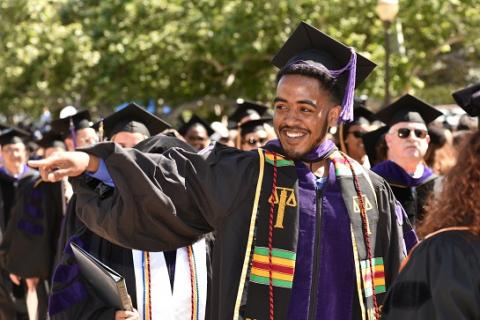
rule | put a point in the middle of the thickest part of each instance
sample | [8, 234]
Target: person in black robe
[253, 134]
[76, 298]
[196, 132]
[329, 258]
[244, 111]
[14, 170]
[441, 278]
[407, 141]
[30, 240]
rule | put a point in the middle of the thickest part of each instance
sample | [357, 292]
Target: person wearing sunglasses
[350, 134]
[253, 134]
[407, 139]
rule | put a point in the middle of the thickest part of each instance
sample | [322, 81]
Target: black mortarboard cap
[51, 139]
[360, 113]
[246, 108]
[361, 116]
[13, 135]
[133, 118]
[408, 109]
[437, 136]
[308, 45]
[469, 99]
[3, 127]
[371, 141]
[252, 125]
[193, 121]
[80, 120]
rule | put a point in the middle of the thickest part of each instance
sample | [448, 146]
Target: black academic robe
[440, 281]
[30, 240]
[118, 258]
[29, 243]
[8, 191]
[414, 199]
[91, 306]
[162, 202]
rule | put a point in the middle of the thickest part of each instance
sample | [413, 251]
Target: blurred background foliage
[97, 54]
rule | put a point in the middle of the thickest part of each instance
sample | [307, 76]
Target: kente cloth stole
[369, 274]
[270, 258]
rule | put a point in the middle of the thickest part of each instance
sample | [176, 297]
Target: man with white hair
[407, 140]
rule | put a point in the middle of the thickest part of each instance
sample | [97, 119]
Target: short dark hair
[327, 82]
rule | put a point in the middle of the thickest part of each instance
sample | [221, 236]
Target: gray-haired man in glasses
[407, 140]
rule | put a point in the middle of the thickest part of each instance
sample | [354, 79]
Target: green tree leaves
[93, 53]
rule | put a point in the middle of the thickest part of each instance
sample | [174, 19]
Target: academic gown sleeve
[165, 201]
[392, 229]
[440, 281]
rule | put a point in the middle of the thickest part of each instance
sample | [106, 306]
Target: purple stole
[335, 257]
[396, 175]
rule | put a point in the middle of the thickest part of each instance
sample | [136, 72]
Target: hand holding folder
[107, 283]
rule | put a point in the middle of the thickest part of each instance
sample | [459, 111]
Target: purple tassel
[347, 104]
[72, 133]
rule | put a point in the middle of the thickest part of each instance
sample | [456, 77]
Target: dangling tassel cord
[270, 237]
[363, 214]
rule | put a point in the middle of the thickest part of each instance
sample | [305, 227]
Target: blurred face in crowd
[128, 139]
[197, 137]
[254, 140]
[407, 142]
[85, 137]
[303, 113]
[49, 151]
[14, 156]
[354, 142]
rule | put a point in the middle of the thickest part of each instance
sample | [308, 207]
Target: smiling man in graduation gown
[407, 140]
[303, 231]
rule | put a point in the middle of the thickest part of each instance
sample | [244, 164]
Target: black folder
[107, 283]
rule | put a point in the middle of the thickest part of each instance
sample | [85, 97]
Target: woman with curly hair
[441, 278]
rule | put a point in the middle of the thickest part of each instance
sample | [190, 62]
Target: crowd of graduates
[430, 165]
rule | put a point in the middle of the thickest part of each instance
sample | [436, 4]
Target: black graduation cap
[80, 120]
[13, 135]
[308, 45]
[51, 139]
[252, 125]
[361, 115]
[133, 118]
[408, 109]
[469, 99]
[246, 108]
[437, 136]
[3, 127]
[371, 141]
[193, 121]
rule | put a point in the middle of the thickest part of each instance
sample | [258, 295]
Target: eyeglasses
[404, 133]
[357, 134]
[253, 141]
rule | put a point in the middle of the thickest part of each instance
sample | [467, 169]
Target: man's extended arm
[161, 202]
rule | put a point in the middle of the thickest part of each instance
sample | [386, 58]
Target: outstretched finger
[59, 174]
[43, 163]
